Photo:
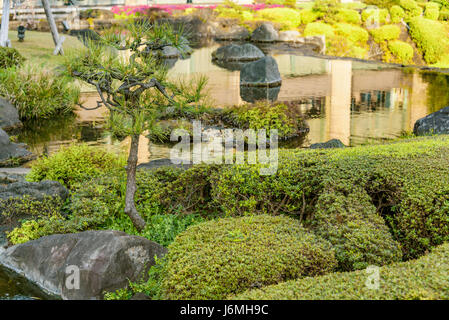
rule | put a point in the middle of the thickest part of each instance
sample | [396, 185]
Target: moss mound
[215, 259]
[425, 278]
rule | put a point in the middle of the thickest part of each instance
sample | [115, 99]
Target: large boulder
[333, 143]
[253, 94]
[434, 123]
[9, 117]
[265, 33]
[235, 52]
[263, 72]
[12, 153]
[289, 36]
[34, 190]
[104, 260]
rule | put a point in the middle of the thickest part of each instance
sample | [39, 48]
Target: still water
[356, 102]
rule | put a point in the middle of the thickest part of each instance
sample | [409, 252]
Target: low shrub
[353, 33]
[348, 16]
[319, 28]
[75, 164]
[370, 16]
[218, 258]
[444, 14]
[386, 33]
[287, 17]
[38, 94]
[396, 14]
[422, 279]
[411, 8]
[431, 37]
[401, 50]
[308, 16]
[382, 3]
[432, 11]
[10, 57]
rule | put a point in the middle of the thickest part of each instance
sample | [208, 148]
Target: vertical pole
[51, 22]
[4, 42]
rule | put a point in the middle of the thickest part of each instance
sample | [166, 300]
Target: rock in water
[234, 52]
[265, 33]
[263, 72]
[104, 260]
[434, 123]
[334, 143]
[12, 153]
[9, 117]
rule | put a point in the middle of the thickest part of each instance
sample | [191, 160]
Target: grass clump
[386, 33]
[421, 279]
[401, 50]
[10, 57]
[218, 258]
[38, 94]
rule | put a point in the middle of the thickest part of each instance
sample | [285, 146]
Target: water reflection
[352, 101]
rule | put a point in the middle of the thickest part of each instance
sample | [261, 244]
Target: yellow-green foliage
[432, 11]
[74, 164]
[348, 16]
[235, 12]
[431, 37]
[422, 279]
[386, 32]
[396, 14]
[401, 50]
[412, 9]
[10, 57]
[289, 18]
[375, 15]
[222, 257]
[319, 28]
[308, 16]
[353, 33]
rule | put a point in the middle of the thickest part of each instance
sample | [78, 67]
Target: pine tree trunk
[131, 186]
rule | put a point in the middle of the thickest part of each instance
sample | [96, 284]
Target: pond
[356, 102]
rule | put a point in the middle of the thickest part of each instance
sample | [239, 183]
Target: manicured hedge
[432, 11]
[396, 14]
[348, 16]
[401, 50]
[375, 15]
[386, 32]
[218, 258]
[424, 278]
[353, 33]
[431, 37]
[412, 9]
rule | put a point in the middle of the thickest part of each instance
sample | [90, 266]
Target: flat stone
[289, 36]
[235, 52]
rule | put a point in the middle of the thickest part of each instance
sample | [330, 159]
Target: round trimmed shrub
[351, 32]
[396, 14]
[412, 9]
[348, 16]
[401, 50]
[432, 11]
[228, 256]
[375, 15]
[319, 28]
[386, 32]
[308, 16]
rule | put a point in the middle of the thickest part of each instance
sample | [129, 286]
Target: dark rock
[35, 190]
[434, 123]
[9, 117]
[235, 52]
[107, 260]
[265, 33]
[12, 153]
[253, 94]
[334, 143]
[154, 164]
[229, 65]
[263, 72]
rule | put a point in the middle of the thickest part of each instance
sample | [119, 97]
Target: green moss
[396, 14]
[431, 37]
[422, 279]
[319, 28]
[215, 259]
[385, 33]
[75, 164]
[348, 16]
[401, 50]
[353, 33]
[432, 11]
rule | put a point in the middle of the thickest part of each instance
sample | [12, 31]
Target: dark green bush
[214, 259]
[425, 278]
[74, 164]
[10, 57]
[38, 94]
